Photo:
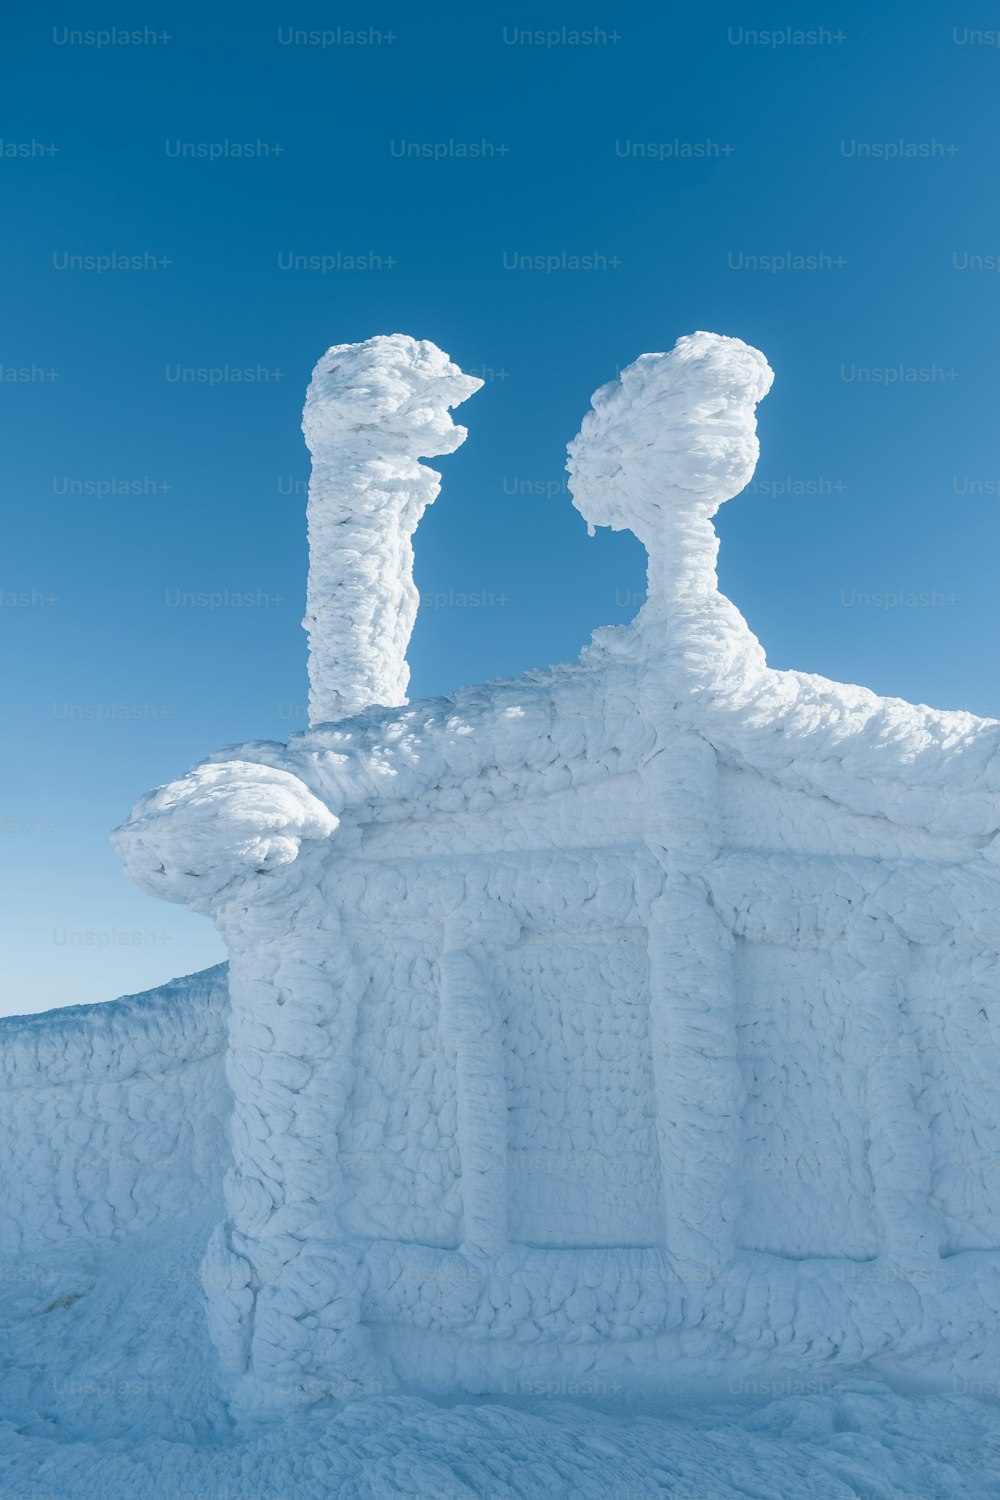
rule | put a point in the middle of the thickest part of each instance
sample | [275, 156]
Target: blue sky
[880, 429]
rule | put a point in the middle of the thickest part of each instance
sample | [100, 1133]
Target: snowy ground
[857, 1444]
[109, 1389]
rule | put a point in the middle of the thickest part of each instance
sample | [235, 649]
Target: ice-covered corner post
[373, 410]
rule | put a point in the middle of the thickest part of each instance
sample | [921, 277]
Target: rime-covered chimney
[373, 410]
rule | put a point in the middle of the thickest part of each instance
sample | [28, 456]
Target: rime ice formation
[113, 1117]
[372, 411]
[626, 1029]
[258, 814]
[664, 446]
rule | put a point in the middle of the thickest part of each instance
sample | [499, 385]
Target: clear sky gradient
[679, 149]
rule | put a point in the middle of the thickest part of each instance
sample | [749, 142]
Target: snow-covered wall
[112, 1116]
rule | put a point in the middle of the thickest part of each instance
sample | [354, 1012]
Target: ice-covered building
[627, 1022]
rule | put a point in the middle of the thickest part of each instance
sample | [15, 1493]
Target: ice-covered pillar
[472, 1023]
[246, 843]
[661, 450]
[373, 410]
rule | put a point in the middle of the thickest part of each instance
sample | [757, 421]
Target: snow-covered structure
[632, 1021]
[623, 1017]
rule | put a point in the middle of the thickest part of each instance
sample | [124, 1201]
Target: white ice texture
[596, 1048]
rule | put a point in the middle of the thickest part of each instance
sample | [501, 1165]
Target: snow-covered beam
[373, 410]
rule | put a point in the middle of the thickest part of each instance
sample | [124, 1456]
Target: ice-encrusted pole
[373, 410]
